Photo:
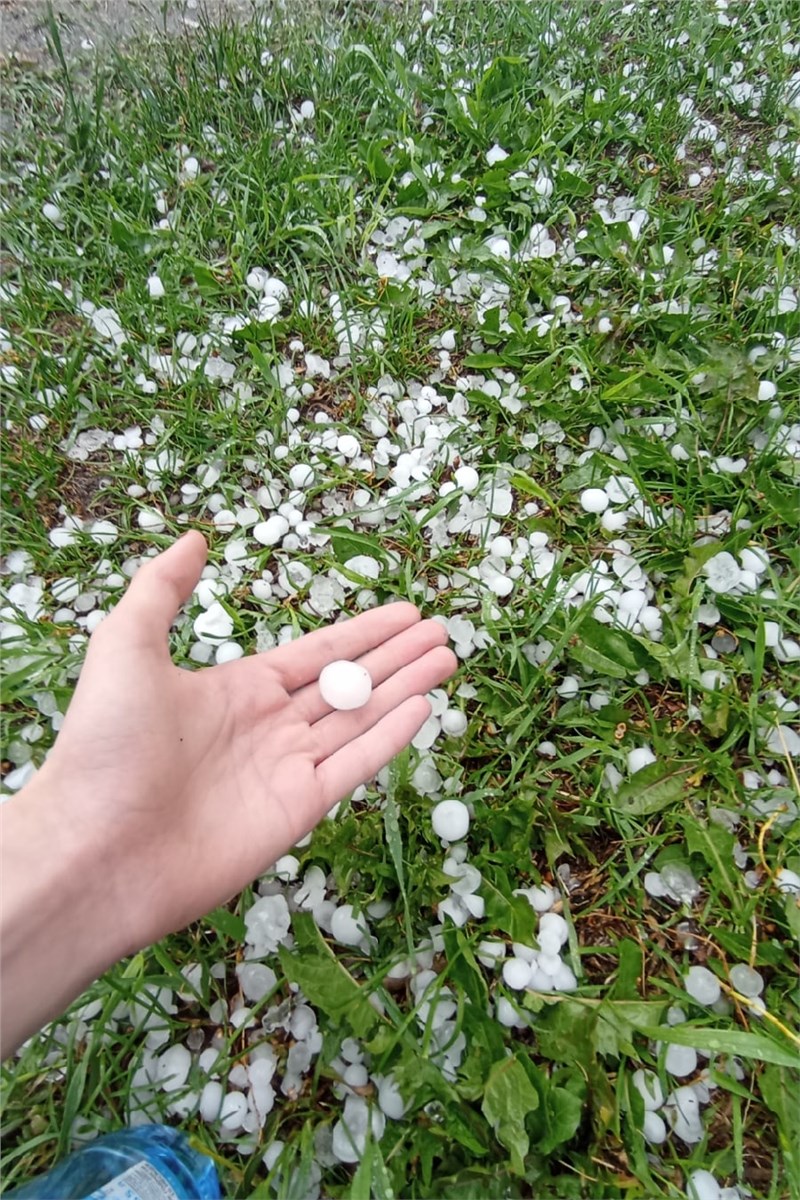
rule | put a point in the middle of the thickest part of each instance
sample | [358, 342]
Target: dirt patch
[86, 25]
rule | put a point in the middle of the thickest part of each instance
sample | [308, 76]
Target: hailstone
[345, 685]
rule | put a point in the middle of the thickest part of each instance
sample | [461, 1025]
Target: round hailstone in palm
[450, 820]
[701, 1185]
[702, 985]
[594, 500]
[516, 973]
[345, 685]
[746, 981]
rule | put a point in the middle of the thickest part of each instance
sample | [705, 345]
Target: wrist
[59, 932]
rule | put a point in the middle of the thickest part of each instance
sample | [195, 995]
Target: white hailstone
[694, 180]
[767, 390]
[262, 1093]
[454, 722]
[190, 167]
[467, 478]
[564, 979]
[746, 981]
[211, 1100]
[301, 475]
[551, 922]
[701, 1185]
[683, 1111]
[348, 445]
[702, 985]
[233, 1112]
[155, 287]
[507, 1014]
[500, 247]
[214, 625]
[569, 687]
[594, 500]
[490, 953]
[547, 749]
[228, 652]
[267, 924]
[496, 154]
[345, 685]
[256, 980]
[350, 1133]
[427, 735]
[172, 1068]
[286, 868]
[654, 1130]
[307, 110]
[316, 365]
[450, 820]
[722, 572]
[52, 213]
[679, 882]
[150, 520]
[648, 1085]
[782, 740]
[103, 532]
[390, 1101]
[788, 882]
[516, 973]
[447, 340]
[346, 928]
[604, 325]
[680, 1061]
[270, 532]
[639, 757]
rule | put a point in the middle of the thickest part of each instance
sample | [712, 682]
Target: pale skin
[168, 791]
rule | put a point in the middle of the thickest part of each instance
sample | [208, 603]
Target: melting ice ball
[345, 685]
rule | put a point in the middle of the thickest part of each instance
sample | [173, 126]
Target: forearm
[56, 927]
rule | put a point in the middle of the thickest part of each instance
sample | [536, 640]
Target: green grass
[303, 202]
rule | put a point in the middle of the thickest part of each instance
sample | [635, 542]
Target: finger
[337, 729]
[160, 587]
[382, 662]
[300, 662]
[359, 760]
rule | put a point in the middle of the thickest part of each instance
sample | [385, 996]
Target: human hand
[187, 785]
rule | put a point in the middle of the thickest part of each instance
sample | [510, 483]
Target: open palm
[199, 780]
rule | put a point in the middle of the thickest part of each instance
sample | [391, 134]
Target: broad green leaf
[677, 662]
[507, 1100]
[227, 923]
[558, 1117]
[726, 1041]
[346, 543]
[651, 789]
[629, 970]
[619, 1020]
[608, 651]
[326, 983]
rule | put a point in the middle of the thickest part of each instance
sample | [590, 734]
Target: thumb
[161, 586]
